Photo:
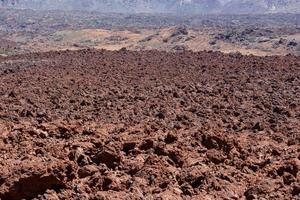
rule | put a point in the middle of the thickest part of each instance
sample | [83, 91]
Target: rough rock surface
[96, 124]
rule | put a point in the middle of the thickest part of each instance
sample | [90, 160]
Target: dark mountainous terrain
[166, 6]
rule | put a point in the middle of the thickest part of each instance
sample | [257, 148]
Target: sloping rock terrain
[96, 124]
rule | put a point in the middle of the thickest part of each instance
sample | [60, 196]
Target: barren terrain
[97, 124]
[149, 106]
[36, 31]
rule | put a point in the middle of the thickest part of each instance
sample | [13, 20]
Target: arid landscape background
[34, 31]
[200, 102]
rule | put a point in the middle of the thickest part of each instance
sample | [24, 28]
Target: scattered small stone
[110, 158]
[87, 170]
[171, 138]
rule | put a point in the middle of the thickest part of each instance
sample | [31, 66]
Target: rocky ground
[42, 31]
[96, 124]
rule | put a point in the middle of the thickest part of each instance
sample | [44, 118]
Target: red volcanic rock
[95, 124]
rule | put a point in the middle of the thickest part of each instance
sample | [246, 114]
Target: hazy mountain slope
[131, 6]
[165, 6]
[245, 6]
[261, 6]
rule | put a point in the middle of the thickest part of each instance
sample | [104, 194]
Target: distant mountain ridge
[162, 6]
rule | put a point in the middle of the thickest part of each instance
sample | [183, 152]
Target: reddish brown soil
[149, 125]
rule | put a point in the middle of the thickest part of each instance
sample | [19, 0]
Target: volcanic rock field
[96, 124]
